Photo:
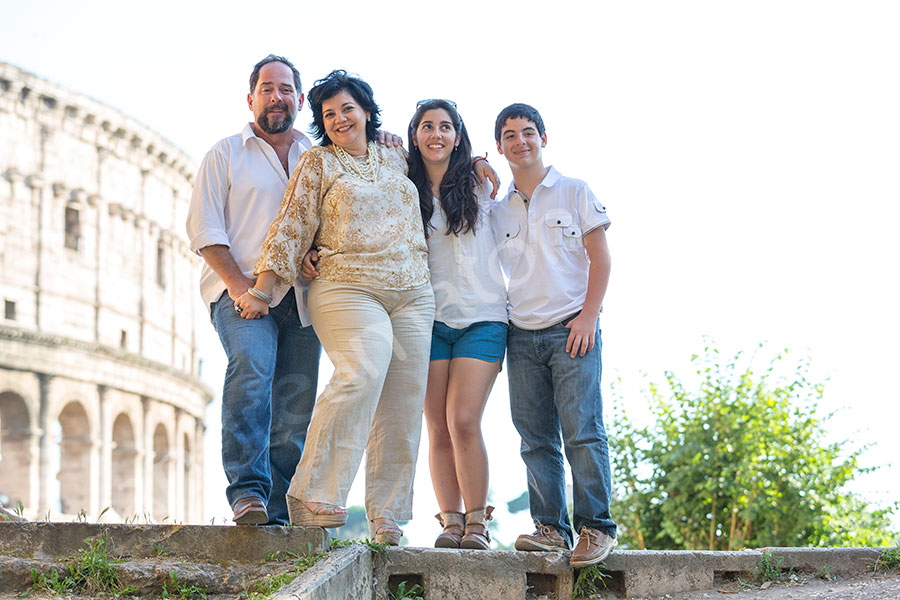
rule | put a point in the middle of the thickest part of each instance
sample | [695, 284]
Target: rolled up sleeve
[206, 216]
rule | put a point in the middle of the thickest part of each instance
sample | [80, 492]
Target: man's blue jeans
[267, 400]
[553, 396]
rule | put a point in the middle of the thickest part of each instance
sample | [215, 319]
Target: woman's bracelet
[260, 295]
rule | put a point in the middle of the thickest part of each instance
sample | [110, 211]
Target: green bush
[738, 460]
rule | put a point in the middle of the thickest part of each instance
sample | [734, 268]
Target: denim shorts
[485, 340]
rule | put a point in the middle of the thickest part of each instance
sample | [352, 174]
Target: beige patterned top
[367, 234]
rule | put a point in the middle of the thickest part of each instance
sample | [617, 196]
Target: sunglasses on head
[429, 100]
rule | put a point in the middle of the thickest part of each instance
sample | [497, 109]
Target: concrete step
[502, 575]
[148, 576]
[217, 559]
[221, 543]
[227, 560]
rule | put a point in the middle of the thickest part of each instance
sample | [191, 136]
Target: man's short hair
[254, 76]
[515, 111]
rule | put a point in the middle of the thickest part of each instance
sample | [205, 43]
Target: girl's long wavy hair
[457, 188]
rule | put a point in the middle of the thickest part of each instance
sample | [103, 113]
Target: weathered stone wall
[98, 360]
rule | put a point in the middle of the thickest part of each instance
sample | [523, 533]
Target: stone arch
[161, 460]
[74, 459]
[15, 454]
[124, 466]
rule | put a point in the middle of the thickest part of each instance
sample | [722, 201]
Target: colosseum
[101, 408]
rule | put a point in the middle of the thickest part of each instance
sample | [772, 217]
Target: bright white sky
[747, 153]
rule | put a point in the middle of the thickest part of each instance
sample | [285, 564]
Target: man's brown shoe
[250, 510]
[544, 539]
[593, 546]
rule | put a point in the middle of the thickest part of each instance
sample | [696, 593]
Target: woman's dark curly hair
[457, 188]
[329, 87]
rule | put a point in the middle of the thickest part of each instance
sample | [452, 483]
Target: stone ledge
[839, 561]
[45, 541]
[216, 556]
[345, 574]
[37, 338]
[148, 575]
[502, 575]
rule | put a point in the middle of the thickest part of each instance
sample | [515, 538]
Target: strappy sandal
[324, 515]
[388, 534]
[454, 525]
[477, 536]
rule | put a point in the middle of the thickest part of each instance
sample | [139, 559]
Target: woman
[372, 307]
[469, 332]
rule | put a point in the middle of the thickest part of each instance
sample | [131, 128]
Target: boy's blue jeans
[553, 396]
[267, 400]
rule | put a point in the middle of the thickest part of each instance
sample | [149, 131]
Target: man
[551, 232]
[273, 362]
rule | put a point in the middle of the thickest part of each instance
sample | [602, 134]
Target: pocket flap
[555, 218]
[507, 231]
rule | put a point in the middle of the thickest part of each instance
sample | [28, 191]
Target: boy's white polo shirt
[541, 247]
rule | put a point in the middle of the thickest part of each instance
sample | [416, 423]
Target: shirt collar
[248, 133]
[549, 180]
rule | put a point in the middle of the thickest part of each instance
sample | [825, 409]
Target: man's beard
[278, 126]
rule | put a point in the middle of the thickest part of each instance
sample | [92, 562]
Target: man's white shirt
[236, 197]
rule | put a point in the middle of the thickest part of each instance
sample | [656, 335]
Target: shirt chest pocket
[462, 250]
[510, 242]
[562, 231]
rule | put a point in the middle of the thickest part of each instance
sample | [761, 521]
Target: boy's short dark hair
[515, 111]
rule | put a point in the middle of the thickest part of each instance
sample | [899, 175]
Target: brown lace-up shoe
[593, 546]
[544, 539]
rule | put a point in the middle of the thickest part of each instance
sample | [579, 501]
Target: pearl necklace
[367, 171]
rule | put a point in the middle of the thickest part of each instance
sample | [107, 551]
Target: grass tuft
[372, 544]
[267, 586]
[180, 590]
[589, 582]
[888, 561]
[93, 572]
[769, 567]
[413, 592]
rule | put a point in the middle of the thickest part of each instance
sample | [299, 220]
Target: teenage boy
[551, 235]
